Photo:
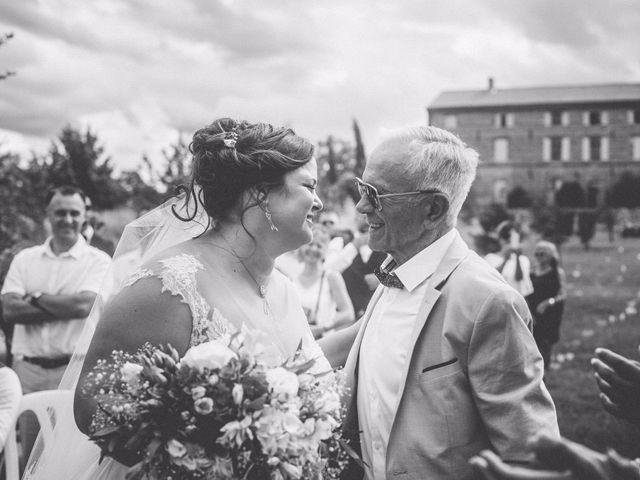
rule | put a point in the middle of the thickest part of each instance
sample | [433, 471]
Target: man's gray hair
[439, 159]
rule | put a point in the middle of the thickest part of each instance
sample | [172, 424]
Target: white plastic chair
[45, 405]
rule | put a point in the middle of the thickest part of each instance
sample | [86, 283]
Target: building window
[595, 148]
[635, 148]
[595, 117]
[556, 118]
[503, 120]
[450, 121]
[634, 116]
[500, 150]
[556, 148]
[500, 192]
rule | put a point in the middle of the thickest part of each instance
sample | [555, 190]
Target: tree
[176, 166]
[518, 198]
[4, 39]
[80, 162]
[625, 192]
[359, 153]
[570, 195]
[22, 190]
[336, 162]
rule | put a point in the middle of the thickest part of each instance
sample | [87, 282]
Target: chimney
[492, 87]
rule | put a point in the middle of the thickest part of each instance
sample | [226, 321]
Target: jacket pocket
[439, 370]
[439, 365]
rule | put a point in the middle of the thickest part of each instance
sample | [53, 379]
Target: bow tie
[387, 279]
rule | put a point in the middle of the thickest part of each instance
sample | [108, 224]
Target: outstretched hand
[618, 378]
[561, 459]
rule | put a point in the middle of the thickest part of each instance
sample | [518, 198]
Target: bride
[252, 198]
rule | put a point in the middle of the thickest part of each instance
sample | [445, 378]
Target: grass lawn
[603, 288]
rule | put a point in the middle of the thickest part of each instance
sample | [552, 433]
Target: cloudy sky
[143, 72]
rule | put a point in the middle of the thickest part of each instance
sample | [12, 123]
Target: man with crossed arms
[48, 292]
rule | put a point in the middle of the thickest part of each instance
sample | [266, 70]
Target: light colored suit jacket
[472, 381]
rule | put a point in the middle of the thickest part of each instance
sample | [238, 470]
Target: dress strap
[178, 277]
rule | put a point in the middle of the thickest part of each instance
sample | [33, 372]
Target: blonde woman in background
[323, 292]
[546, 302]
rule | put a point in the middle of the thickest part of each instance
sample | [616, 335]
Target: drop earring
[267, 214]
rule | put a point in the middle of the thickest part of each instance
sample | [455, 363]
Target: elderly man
[47, 294]
[444, 363]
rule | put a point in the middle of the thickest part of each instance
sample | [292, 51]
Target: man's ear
[438, 207]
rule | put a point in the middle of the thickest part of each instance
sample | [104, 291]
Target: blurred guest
[559, 459]
[359, 278]
[322, 291]
[101, 240]
[618, 378]
[509, 261]
[88, 229]
[48, 292]
[10, 394]
[547, 300]
[329, 220]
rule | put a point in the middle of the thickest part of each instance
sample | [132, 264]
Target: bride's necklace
[262, 288]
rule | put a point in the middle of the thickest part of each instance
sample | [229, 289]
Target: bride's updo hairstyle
[230, 157]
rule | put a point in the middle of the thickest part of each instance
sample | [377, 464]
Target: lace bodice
[178, 277]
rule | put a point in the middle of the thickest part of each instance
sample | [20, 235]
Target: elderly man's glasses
[373, 197]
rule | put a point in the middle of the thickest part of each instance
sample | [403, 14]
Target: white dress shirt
[383, 352]
[37, 269]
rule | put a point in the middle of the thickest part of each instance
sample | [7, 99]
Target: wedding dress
[72, 456]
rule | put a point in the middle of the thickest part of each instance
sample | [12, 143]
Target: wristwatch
[34, 297]
[552, 301]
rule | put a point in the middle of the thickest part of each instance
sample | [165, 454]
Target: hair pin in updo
[230, 139]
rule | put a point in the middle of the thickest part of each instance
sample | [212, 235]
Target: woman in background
[547, 300]
[322, 291]
[509, 261]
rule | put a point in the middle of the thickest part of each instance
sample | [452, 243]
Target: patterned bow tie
[387, 279]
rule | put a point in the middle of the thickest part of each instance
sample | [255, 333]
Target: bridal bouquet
[220, 412]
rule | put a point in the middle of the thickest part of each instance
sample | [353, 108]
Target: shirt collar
[424, 263]
[76, 251]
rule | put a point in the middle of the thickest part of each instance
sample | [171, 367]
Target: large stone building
[537, 138]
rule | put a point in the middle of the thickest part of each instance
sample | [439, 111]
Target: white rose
[176, 449]
[131, 372]
[204, 406]
[292, 424]
[198, 392]
[282, 382]
[329, 402]
[210, 355]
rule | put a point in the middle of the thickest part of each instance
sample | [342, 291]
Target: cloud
[141, 72]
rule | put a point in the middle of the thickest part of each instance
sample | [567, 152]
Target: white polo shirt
[38, 269]
[383, 352]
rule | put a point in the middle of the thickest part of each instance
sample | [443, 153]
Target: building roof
[537, 96]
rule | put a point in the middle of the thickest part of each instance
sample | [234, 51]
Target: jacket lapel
[351, 365]
[455, 254]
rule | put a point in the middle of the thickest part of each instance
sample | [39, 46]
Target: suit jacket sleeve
[505, 371]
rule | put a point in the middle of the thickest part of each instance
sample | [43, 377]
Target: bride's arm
[137, 315]
[336, 345]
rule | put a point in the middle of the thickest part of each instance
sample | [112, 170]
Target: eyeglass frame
[375, 200]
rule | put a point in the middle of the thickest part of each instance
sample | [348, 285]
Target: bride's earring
[267, 214]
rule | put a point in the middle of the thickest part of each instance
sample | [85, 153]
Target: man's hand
[618, 378]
